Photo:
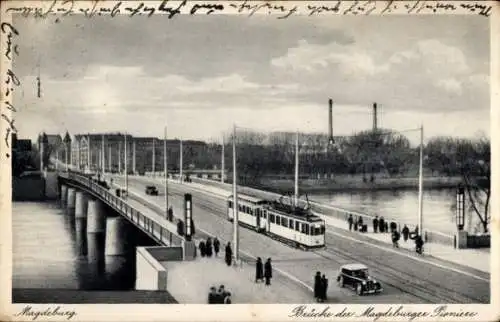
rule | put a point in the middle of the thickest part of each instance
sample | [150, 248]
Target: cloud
[313, 58]
[430, 75]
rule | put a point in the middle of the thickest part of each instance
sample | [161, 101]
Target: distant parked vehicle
[151, 190]
[357, 277]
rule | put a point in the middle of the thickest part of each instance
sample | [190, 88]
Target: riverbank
[354, 184]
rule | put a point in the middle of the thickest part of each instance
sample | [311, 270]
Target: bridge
[406, 277]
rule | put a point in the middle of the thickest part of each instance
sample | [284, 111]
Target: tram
[287, 223]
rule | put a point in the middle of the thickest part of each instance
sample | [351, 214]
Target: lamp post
[126, 166]
[420, 182]
[296, 199]
[235, 202]
[460, 215]
[180, 161]
[165, 165]
[103, 156]
[222, 162]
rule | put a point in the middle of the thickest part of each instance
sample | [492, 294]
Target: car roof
[354, 266]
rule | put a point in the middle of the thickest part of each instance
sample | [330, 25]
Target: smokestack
[330, 120]
[374, 116]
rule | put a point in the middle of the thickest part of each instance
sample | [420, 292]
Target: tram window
[284, 222]
[240, 208]
[290, 224]
[305, 229]
[264, 215]
[271, 218]
[250, 211]
[257, 212]
[297, 226]
[278, 220]
[230, 204]
[322, 230]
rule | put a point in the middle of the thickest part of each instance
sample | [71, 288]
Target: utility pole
[89, 160]
[296, 201]
[222, 162]
[133, 157]
[420, 184]
[165, 165]
[103, 156]
[235, 203]
[120, 157]
[66, 156]
[126, 166]
[154, 155]
[375, 125]
[180, 162]
[109, 157]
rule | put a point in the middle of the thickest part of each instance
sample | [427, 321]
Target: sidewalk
[475, 258]
[189, 283]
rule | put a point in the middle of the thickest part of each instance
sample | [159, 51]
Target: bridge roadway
[405, 279]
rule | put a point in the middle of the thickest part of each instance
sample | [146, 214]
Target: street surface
[404, 279]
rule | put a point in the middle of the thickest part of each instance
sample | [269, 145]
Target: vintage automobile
[357, 276]
[151, 190]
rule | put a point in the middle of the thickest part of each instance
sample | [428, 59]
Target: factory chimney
[374, 117]
[330, 121]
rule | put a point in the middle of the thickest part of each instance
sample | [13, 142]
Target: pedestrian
[268, 271]
[419, 243]
[229, 254]
[375, 224]
[170, 214]
[212, 296]
[406, 233]
[221, 294]
[395, 238]
[227, 298]
[324, 288]
[259, 270]
[386, 227]
[201, 246]
[317, 286]
[350, 220]
[356, 223]
[216, 246]
[381, 224]
[208, 247]
[360, 224]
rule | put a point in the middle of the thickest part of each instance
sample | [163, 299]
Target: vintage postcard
[249, 160]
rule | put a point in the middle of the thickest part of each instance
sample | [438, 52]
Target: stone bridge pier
[95, 221]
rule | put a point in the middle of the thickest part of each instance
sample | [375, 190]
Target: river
[52, 250]
[402, 206]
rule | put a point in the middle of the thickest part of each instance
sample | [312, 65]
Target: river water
[402, 206]
[52, 250]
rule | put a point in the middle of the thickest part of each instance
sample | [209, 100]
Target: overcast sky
[201, 74]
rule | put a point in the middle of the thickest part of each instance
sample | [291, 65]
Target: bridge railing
[148, 225]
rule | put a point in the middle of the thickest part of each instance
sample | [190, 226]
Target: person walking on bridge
[170, 214]
[405, 232]
[259, 270]
[202, 248]
[324, 287]
[268, 271]
[350, 220]
[375, 224]
[229, 254]
[208, 247]
[381, 224]
[317, 286]
[216, 246]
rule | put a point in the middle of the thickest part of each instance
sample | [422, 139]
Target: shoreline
[325, 186]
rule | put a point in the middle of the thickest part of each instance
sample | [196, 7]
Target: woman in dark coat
[324, 287]
[216, 246]
[259, 270]
[202, 248]
[317, 286]
[208, 247]
[229, 254]
[268, 271]
[381, 224]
